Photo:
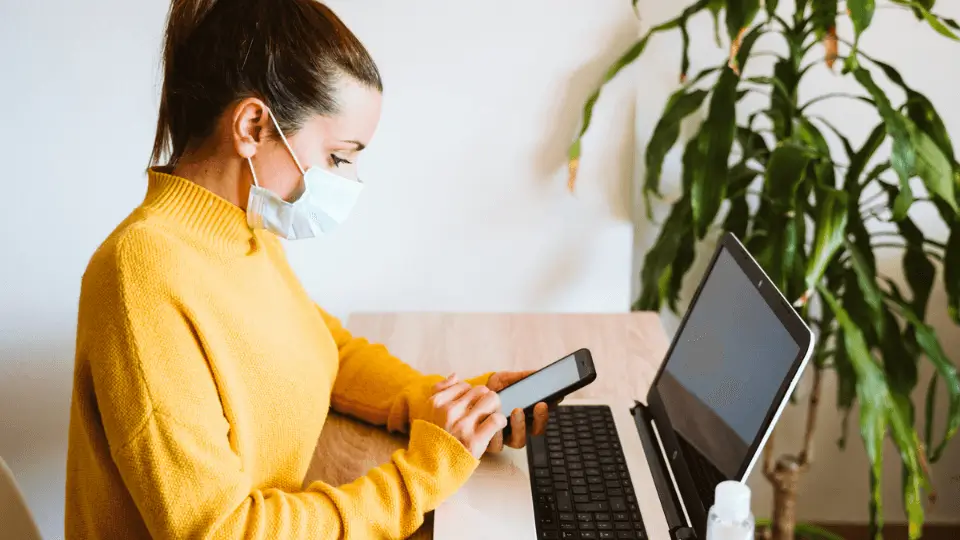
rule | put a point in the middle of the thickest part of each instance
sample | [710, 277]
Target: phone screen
[540, 385]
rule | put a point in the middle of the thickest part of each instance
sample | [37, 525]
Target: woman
[204, 372]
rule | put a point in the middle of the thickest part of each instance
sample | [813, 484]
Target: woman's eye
[337, 160]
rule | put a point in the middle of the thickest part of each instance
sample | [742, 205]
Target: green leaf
[931, 19]
[879, 408]
[626, 59]
[738, 215]
[715, 7]
[903, 156]
[899, 362]
[951, 271]
[919, 271]
[678, 268]
[866, 278]
[710, 178]
[873, 395]
[925, 116]
[657, 262]
[858, 161]
[928, 341]
[785, 172]
[783, 101]
[933, 167]
[861, 12]
[930, 410]
[746, 46]
[740, 14]
[824, 16]
[680, 105]
[771, 6]
[753, 145]
[829, 232]
[824, 171]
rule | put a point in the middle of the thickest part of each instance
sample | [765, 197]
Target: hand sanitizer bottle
[730, 517]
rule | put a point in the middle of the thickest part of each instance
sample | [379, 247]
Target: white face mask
[324, 203]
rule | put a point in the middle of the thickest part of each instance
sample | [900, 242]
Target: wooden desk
[627, 350]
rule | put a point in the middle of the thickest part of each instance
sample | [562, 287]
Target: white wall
[465, 210]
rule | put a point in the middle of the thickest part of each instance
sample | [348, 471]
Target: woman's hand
[518, 422]
[470, 413]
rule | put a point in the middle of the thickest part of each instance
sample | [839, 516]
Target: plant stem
[804, 460]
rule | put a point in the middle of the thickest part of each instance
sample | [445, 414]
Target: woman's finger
[452, 393]
[461, 407]
[446, 383]
[518, 429]
[484, 406]
[491, 428]
[541, 413]
[496, 443]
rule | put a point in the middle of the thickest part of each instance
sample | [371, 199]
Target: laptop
[648, 469]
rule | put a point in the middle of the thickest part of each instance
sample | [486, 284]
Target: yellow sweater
[203, 376]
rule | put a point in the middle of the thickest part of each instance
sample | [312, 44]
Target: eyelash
[337, 161]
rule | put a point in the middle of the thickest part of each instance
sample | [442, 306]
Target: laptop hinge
[678, 521]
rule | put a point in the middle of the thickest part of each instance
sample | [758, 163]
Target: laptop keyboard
[705, 475]
[581, 486]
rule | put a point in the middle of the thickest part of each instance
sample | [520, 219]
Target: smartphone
[566, 375]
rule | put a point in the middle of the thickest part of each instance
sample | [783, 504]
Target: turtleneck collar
[200, 211]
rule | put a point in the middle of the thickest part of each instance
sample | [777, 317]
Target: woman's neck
[223, 177]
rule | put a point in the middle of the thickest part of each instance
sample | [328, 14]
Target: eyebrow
[360, 145]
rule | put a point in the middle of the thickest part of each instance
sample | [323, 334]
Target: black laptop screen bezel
[784, 312]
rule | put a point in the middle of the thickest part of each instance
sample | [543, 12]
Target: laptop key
[588, 535]
[598, 497]
[548, 535]
[561, 485]
[566, 516]
[617, 504]
[606, 535]
[595, 488]
[579, 490]
[603, 517]
[626, 534]
[604, 526]
[581, 498]
[568, 526]
[593, 507]
[622, 526]
[569, 534]
[615, 492]
[563, 501]
[576, 474]
[584, 516]
[594, 480]
[620, 516]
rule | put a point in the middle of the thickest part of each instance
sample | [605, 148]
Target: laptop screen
[726, 367]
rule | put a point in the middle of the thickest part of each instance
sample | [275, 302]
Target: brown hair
[289, 53]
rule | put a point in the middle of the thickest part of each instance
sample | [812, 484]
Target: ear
[249, 126]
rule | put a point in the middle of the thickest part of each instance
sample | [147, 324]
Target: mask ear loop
[253, 172]
[284, 139]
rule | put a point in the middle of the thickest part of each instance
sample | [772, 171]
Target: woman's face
[331, 142]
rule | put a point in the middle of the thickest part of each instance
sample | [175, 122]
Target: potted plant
[814, 219]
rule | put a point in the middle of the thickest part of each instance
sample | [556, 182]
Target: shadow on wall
[605, 173]
[35, 390]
